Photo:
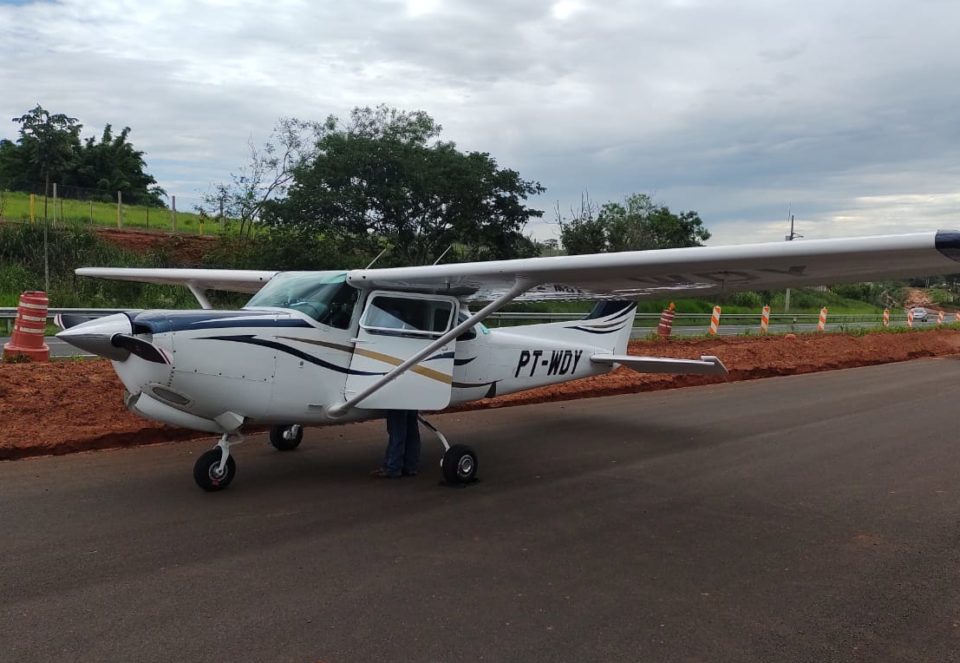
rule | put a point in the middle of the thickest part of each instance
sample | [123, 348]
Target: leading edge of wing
[696, 270]
[231, 280]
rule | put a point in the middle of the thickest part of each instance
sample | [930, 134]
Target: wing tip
[948, 243]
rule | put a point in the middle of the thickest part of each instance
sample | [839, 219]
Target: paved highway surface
[806, 518]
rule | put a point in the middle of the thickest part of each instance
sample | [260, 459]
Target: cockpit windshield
[324, 296]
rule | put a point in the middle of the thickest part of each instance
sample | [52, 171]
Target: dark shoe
[381, 473]
[409, 474]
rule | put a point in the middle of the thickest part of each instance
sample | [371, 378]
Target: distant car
[919, 314]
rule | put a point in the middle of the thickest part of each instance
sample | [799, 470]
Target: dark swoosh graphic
[596, 331]
[491, 392]
[462, 362]
[251, 340]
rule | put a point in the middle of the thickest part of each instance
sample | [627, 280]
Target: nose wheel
[215, 469]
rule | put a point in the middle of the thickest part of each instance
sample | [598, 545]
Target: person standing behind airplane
[402, 457]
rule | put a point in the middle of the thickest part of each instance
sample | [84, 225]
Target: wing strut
[200, 295]
[520, 287]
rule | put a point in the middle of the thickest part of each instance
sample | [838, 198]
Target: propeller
[137, 346]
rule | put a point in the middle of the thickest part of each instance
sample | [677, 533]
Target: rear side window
[393, 315]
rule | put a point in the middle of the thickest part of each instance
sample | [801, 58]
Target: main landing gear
[286, 438]
[215, 469]
[459, 462]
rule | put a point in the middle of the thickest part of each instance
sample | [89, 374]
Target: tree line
[50, 150]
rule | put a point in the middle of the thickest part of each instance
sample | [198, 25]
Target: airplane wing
[683, 272]
[231, 280]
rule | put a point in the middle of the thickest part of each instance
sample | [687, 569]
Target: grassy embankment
[16, 207]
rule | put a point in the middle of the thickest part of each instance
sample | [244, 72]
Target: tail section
[605, 329]
[611, 321]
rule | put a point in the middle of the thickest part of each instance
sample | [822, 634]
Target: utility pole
[792, 236]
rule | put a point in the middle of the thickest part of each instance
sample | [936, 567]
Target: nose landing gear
[215, 469]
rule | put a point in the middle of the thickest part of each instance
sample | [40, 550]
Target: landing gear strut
[215, 469]
[459, 462]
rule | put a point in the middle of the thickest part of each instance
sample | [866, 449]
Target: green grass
[15, 206]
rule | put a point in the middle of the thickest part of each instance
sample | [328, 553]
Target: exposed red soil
[182, 250]
[68, 406]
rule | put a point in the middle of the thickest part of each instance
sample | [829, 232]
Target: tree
[114, 165]
[292, 143]
[386, 179]
[583, 232]
[48, 144]
[637, 224]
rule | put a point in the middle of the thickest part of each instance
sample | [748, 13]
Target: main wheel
[459, 464]
[286, 438]
[206, 470]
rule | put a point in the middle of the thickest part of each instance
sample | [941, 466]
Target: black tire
[281, 443]
[459, 464]
[205, 471]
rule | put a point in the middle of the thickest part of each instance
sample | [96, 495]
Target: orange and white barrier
[821, 325]
[886, 317]
[715, 321]
[666, 321]
[765, 320]
[28, 330]
[956, 316]
[939, 318]
[910, 318]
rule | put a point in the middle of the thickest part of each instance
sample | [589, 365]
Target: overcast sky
[844, 112]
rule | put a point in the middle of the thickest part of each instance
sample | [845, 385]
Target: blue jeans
[403, 447]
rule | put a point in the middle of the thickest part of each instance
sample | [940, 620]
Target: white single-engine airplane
[323, 347]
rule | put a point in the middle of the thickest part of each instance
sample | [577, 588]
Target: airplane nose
[96, 336]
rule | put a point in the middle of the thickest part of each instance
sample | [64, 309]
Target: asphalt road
[808, 518]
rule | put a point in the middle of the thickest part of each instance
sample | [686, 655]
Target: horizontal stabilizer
[706, 365]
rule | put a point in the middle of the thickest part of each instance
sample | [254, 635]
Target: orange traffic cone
[27, 340]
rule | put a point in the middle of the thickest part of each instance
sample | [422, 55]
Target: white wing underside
[666, 273]
[231, 280]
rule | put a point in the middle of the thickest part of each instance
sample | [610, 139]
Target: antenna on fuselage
[377, 258]
[443, 254]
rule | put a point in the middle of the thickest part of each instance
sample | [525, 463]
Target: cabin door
[395, 326]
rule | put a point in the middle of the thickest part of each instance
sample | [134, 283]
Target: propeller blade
[137, 346]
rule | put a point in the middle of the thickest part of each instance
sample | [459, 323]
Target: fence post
[33, 204]
[119, 206]
[173, 212]
[54, 204]
[148, 217]
[91, 212]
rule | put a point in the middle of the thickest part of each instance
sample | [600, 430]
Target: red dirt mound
[183, 250]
